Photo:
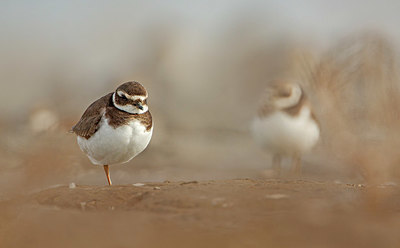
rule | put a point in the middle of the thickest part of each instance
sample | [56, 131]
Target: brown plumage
[89, 122]
[133, 88]
[117, 118]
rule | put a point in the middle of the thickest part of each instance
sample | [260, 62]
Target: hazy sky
[315, 16]
[89, 38]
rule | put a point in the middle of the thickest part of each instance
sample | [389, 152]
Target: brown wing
[89, 122]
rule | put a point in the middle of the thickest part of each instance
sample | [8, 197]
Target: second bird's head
[283, 94]
[131, 97]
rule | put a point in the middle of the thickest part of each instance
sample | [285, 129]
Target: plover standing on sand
[117, 127]
[285, 124]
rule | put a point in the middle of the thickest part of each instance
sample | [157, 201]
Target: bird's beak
[140, 107]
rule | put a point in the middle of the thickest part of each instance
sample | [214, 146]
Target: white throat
[290, 101]
[129, 108]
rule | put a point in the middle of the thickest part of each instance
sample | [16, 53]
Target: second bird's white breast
[111, 145]
[286, 134]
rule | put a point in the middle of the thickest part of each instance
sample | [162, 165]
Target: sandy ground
[190, 197]
[220, 213]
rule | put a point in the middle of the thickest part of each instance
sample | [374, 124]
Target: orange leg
[107, 171]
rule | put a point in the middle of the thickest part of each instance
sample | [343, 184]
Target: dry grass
[355, 89]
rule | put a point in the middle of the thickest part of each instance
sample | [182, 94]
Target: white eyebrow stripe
[137, 97]
[120, 93]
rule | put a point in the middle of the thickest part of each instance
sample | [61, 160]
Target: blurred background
[205, 65]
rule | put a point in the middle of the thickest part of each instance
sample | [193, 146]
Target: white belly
[285, 134]
[115, 145]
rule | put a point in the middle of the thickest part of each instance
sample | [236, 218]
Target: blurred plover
[116, 127]
[285, 124]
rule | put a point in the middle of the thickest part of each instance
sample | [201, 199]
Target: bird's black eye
[123, 97]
